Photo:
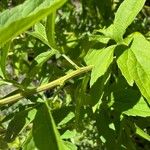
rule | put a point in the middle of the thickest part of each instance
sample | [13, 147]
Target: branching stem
[57, 82]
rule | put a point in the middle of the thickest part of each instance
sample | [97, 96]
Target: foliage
[74, 74]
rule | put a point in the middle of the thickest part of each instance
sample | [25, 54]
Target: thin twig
[70, 61]
[57, 82]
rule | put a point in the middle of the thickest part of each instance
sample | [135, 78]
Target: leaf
[19, 122]
[101, 59]
[106, 134]
[70, 145]
[97, 90]
[100, 38]
[30, 12]
[67, 118]
[69, 134]
[63, 116]
[141, 133]
[29, 143]
[37, 64]
[123, 63]
[50, 29]
[3, 59]
[140, 109]
[127, 100]
[137, 60]
[39, 33]
[107, 32]
[125, 14]
[45, 133]
[80, 100]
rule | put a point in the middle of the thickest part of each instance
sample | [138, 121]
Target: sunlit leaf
[39, 33]
[141, 133]
[137, 64]
[125, 14]
[101, 59]
[30, 12]
[69, 134]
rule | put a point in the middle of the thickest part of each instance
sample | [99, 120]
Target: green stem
[57, 82]
[70, 61]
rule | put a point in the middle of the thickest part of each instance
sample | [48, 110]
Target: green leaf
[39, 33]
[70, 145]
[29, 143]
[125, 14]
[97, 90]
[140, 109]
[124, 64]
[37, 64]
[106, 134]
[141, 133]
[80, 100]
[127, 100]
[101, 59]
[67, 118]
[3, 59]
[45, 133]
[63, 116]
[50, 29]
[43, 57]
[100, 38]
[107, 32]
[29, 12]
[19, 122]
[69, 134]
[137, 60]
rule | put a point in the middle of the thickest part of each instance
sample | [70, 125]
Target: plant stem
[57, 82]
[70, 61]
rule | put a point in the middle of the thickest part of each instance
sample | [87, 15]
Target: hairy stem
[57, 82]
